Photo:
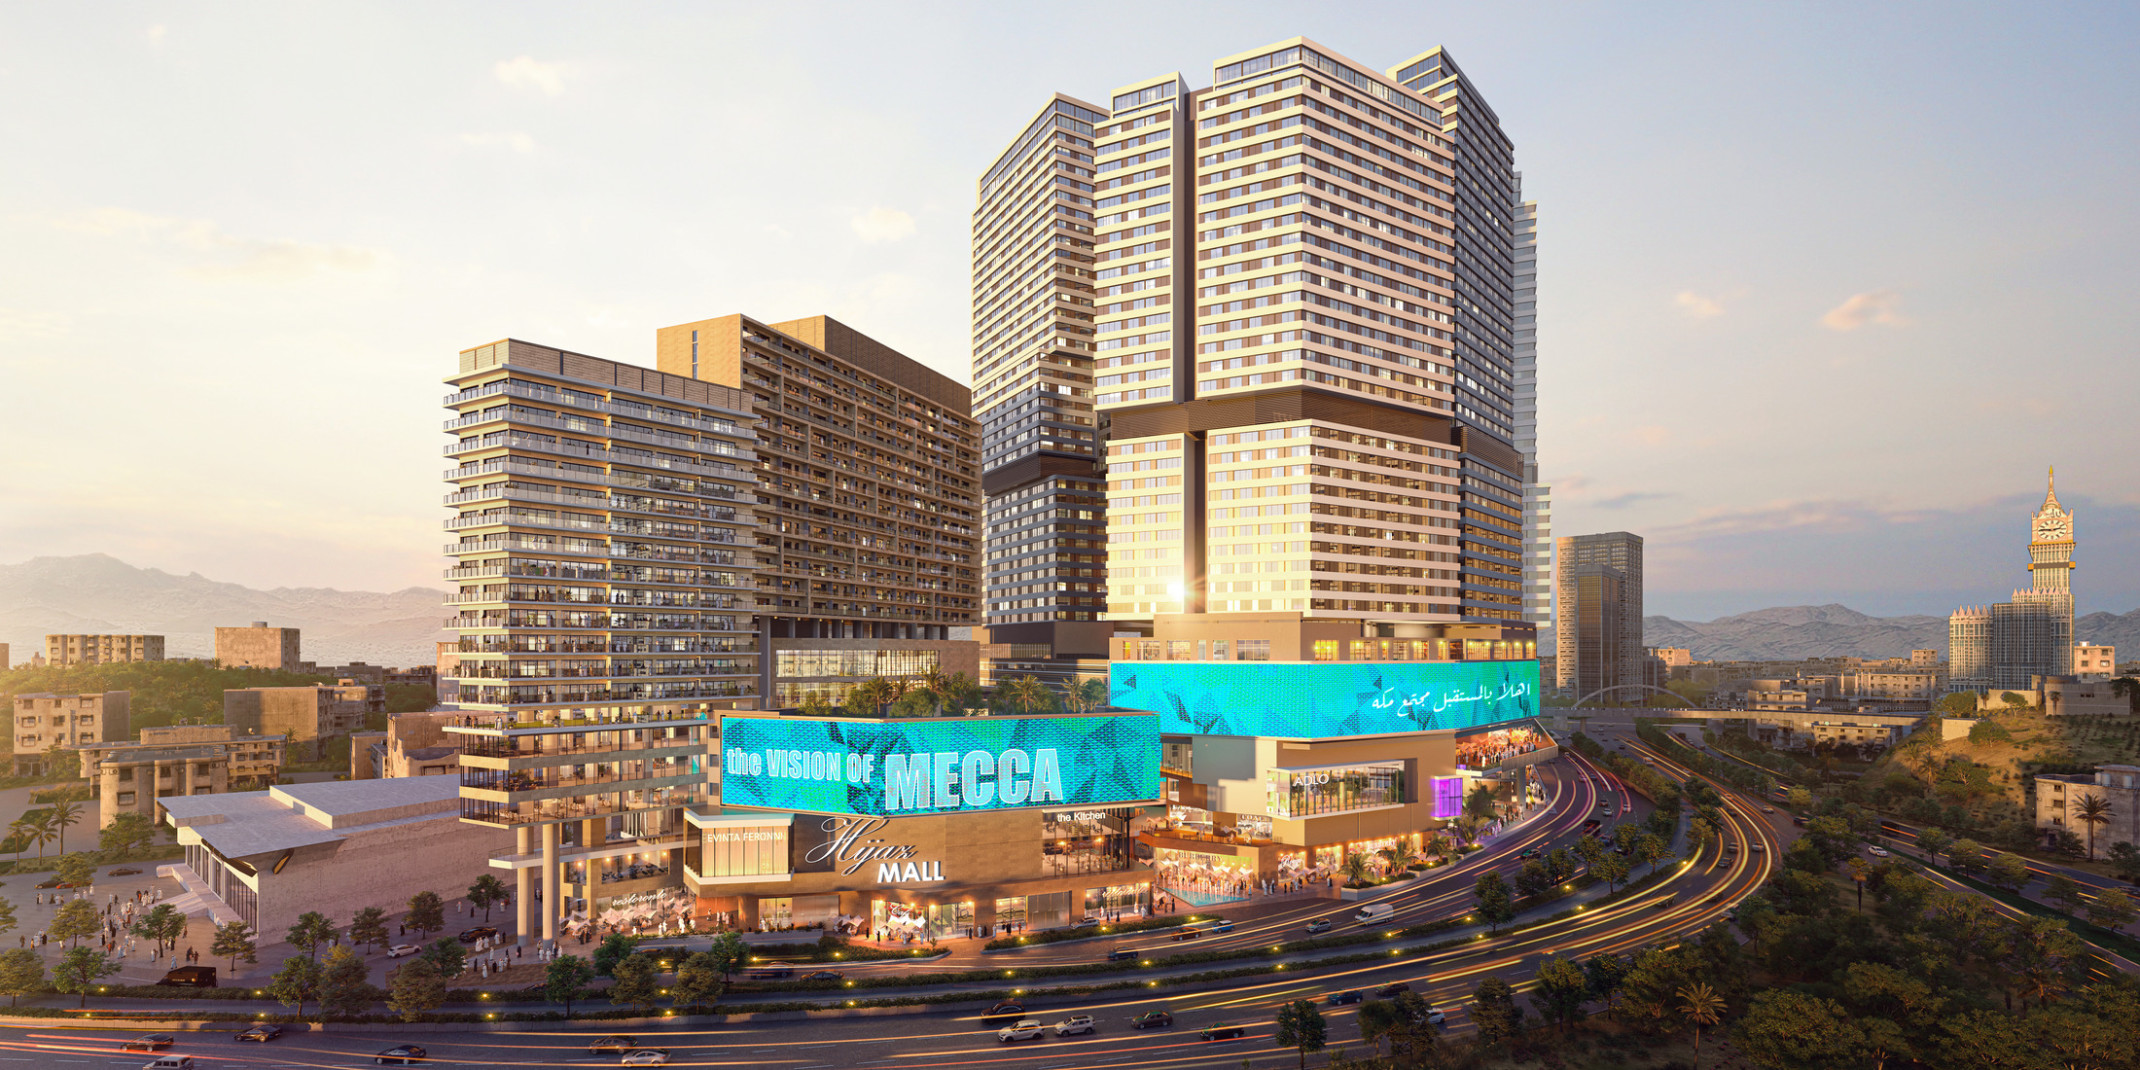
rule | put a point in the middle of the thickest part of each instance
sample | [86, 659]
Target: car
[1876, 851]
[1024, 1029]
[1121, 954]
[401, 1053]
[1321, 925]
[1004, 1013]
[1076, 1023]
[1152, 1020]
[825, 975]
[1731, 848]
[646, 1057]
[1768, 809]
[1222, 1031]
[1353, 996]
[169, 1062]
[1188, 934]
[773, 971]
[1088, 923]
[612, 1045]
[1667, 901]
[1799, 820]
[260, 1034]
[1436, 1018]
[1532, 853]
[469, 936]
[189, 977]
[1389, 991]
[1757, 847]
[1223, 927]
[150, 1042]
[124, 871]
[398, 950]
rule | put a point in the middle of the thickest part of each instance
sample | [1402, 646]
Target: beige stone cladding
[257, 647]
[307, 715]
[101, 649]
[43, 721]
[2059, 797]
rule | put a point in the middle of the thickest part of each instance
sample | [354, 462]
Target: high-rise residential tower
[1537, 496]
[1302, 317]
[1033, 281]
[1598, 601]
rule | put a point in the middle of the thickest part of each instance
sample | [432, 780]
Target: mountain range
[1789, 633]
[98, 593]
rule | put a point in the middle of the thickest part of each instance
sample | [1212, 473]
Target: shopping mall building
[904, 828]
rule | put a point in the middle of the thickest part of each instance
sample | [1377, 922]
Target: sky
[1824, 289]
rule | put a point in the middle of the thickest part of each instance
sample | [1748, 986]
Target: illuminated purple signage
[1448, 797]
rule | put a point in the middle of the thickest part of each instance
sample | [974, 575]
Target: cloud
[1883, 307]
[231, 256]
[1653, 434]
[1697, 307]
[514, 140]
[527, 72]
[19, 324]
[882, 224]
[1622, 501]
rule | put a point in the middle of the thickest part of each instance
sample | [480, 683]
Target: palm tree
[2093, 810]
[65, 813]
[1086, 695]
[1356, 868]
[41, 831]
[18, 830]
[1858, 872]
[1701, 1006]
[1026, 693]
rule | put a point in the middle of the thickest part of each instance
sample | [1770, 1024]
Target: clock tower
[2051, 544]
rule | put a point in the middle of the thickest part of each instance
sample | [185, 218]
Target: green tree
[1652, 849]
[488, 891]
[313, 931]
[2124, 860]
[1798, 798]
[1958, 704]
[1379, 1019]
[7, 917]
[233, 941]
[80, 969]
[2047, 957]
[1301, 1027]
[565, 979]
[1086, 695]
[1700, 1006]
[1495, 905]
[66, 813]
[1966, 856]
[1357, 869]
[729, 953]
[447, 955]
[2111, 908]
[37, 828]
[163, 925]
[22, 973]
[635, 983]
[1984, 733]
[1786, 1030]
[416, 988]
[2007, 871]
[367, 928]
[345, 985]
[815, 706]
[1612, 869]
[427, 914]
[2063, 890]
[1934, 842]
[128, 832]
[698, 981]
[1561, 991]
[1494, 1011]
[297, 983]
[1024, 694]
[75, 869]
[2094, 811]
[76, 919]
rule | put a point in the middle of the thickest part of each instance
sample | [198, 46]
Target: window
[1326, 649]
[126, 798]
[1252, 649]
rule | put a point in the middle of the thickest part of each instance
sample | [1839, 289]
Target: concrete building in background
[413, 744]
[178, 760]
[868, 547]
[1537, 496]
[2094, 660]
[2006, 644]
[2059, 797]
[1033, 285]
[1598, 598]
[307, 716]
[61, 650]
[44, 720]
[257, 647]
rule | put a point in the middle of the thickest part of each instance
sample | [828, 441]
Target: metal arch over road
[1642, 687]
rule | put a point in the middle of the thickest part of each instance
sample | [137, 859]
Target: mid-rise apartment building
[101, 649]
[1307, 387]
[868, 501]
[1597, 597]
[258, 647]
[1034, 282]
[306, 716]
[44, 720]
[182, 759]
[605, 546]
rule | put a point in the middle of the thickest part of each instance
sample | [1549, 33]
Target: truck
[1371, 912]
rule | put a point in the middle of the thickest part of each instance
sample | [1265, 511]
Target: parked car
[124, 871]
[1075, 1024]
[825, 975]
[1353, 996]
[260, 1033]
[612, 1045]
[1152, 1020]
[647, 1057]
[1389, 991]
[150, 1042]
[469, 936]
[398, 950]
[402, 1053]
[1222, 1031]
[1004, 1013]
[1321, 925]
[1024, 1029]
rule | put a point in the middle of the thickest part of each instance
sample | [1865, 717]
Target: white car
[398, 950]
[647, 1057]
[1025, 1030]
[1876, 851]
[1436, 1018]
[1076, 1023]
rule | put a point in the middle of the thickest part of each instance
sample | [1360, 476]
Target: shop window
[1252, 649]
[746, 851]
[1326, 649]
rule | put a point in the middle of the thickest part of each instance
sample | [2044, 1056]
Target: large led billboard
[1324, 699]
[894, 768]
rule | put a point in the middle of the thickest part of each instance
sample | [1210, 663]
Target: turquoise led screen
[938, 765]
[1324, 699]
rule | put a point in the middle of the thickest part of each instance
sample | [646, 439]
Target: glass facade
[1297, 793]
[863, 663]
[745, 852]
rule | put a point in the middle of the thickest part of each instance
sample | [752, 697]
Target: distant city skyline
[1780, 319]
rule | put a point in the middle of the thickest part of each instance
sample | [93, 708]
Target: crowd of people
[1491, 748]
